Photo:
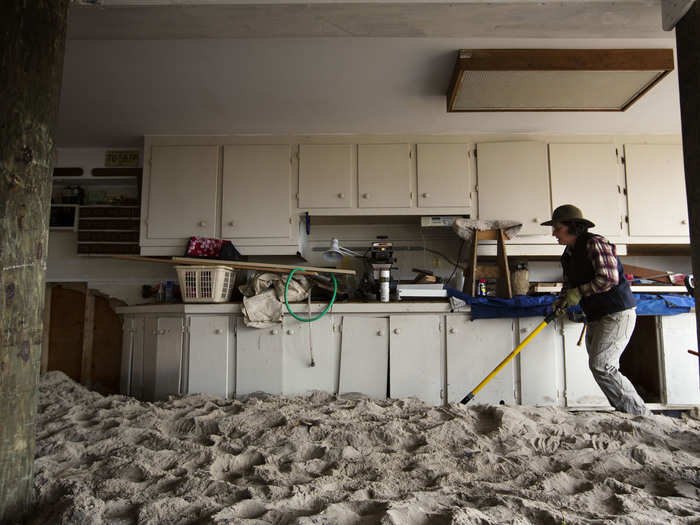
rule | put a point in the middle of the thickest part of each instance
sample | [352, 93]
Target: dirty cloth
[263, 297]
[465, 228]
[606, 339]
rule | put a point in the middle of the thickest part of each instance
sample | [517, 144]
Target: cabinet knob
[453, 331]
[380, 332]
[397, 331]
[218, 331]
[160, 332]
[684, 221]
[290, 332]
[232, 224]
[202, 224]
[274, 332]
[365, 195]
[341, 195]
[536, 219]
[426, 195]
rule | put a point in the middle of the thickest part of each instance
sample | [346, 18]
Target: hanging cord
[312, 363]
[459, 257]
[309, 319]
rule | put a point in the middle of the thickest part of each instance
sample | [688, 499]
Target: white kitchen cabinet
[540, 363]
[474, 349]
[326, 175]
[681, 370]
[588, 176]
[256, 189]
[259, 359]
[182, 193]
[513, 183]
[443, 175]
[415, 357]
[581, 387]
[163, 355]
[364, 356]
[301, 375]
[211, 356]
[384, 175]
[656, 190]
[131, 376]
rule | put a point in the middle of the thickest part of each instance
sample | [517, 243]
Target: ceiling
[327, 68]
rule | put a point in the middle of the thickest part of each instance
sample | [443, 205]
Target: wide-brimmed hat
[568, 213]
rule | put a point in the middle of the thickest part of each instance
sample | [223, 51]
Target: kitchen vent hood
[554, 79]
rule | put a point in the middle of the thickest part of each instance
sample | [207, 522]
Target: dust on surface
[354, 461]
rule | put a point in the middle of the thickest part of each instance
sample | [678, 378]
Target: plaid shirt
[603, 256]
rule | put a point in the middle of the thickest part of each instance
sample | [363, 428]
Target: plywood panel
[364, 358]
[66, 332]
[587, 175]
[106, 347]
[681, 369]
[415, 360]
[474, 349]
[513, 183]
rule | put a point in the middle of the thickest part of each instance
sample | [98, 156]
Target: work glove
[572, 297]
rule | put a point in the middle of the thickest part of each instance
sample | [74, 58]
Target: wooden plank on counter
[251, 265]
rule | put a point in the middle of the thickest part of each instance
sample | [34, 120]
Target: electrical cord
[459, 256]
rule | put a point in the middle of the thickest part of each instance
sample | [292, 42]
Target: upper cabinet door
[325, 175]
[587, 176]
[256, 191]
[384, 175]
[656, 182]
[182, 193]
[443, 175]
[514, 184]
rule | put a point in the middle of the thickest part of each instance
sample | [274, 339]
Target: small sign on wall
[122, 159]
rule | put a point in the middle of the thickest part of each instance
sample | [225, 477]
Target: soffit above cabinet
[554, 79]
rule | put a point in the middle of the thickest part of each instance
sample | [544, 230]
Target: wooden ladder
[500, 272]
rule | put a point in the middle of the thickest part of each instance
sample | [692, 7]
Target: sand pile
[321, 460]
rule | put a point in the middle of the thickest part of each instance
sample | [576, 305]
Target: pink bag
[204, 247]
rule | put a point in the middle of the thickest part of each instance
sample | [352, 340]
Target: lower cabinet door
[681, 370]
[415, 357]
[309, 363]
[210, 368]
[364, 356]
[131, 375]
[474, 349]
[258, 359]
[581, 387]
[540, 363]
[162, 357]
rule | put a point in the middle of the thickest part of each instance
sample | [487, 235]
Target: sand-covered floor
[321, 460]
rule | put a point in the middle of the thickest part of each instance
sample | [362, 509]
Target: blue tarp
[539, 306]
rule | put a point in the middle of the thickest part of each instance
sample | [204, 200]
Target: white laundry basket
[206, 284]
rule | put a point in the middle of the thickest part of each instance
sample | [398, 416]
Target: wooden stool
[500, 272]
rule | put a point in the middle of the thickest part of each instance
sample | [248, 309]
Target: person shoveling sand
[354, 461]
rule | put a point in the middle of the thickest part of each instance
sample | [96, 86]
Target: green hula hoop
[308, 320]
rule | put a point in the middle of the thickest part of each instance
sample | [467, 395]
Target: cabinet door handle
[365, 195]
[684, 221]
[290, 332]
[202, 224]
[232, 224]
[536, 219]
[274, 332]
[380, 332]
[218, 331]
[426, 195]
[453, 331]
[162, 331]
[397, 331]
[341, 195]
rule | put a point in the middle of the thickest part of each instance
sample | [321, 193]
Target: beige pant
[606, 339]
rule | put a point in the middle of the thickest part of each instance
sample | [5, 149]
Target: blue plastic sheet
[539, 306]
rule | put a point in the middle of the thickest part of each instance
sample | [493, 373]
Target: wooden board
[88, 334]
[65, 340]
[250, 265]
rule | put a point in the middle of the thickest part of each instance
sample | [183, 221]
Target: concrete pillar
[688, 51]
[32, 44]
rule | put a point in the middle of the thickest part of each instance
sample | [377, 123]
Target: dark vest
[578, 269]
